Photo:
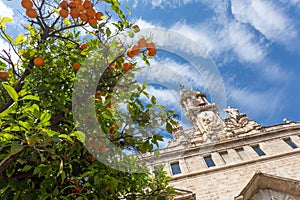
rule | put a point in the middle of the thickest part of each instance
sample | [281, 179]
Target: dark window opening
[290, 143]
[175, 168]
[258, 150]
[209, 161]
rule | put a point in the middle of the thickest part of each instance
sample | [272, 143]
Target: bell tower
[204, 116]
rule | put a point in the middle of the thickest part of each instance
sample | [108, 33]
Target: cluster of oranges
[78, 9]
[96, 145]
[30, 11]
[141, 44]
[4, 75]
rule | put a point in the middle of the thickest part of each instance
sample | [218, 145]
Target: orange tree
[43, 153]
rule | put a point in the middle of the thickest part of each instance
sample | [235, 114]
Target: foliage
[43, 152]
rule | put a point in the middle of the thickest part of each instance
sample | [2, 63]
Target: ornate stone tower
[204, 116]
[231, 158]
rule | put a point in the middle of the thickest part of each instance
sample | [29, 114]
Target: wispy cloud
[5, 11]
[265, 17]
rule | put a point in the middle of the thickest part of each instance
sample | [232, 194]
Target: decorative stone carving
[207, 124]
[238, 123]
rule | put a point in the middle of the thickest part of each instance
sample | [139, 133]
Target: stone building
[230, 159]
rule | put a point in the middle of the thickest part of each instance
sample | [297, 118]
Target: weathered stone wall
[226, 180]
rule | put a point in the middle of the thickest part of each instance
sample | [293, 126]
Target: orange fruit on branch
[63, 4]
[83, 46]
[74, 13]
[102, 149]
[99, 16]
[92, 21]
[142, 43]
[72, 4]
[84, 17]
[87, 4]
[38, 61]
[27, 4]
[80, 8]
[150, 45]
[64, 13]
[31, 13]
[135, 49]
[127, 67]
[90, 12]
[76, 66]
[129, 53]
[152, 52]
[4, 75]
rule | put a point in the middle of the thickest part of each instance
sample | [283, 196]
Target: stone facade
[217, 158]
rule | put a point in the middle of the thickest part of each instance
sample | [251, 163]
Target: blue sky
[255, 45]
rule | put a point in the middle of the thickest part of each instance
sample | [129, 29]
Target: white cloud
[259, 104]
[5, 11]
[265, 17]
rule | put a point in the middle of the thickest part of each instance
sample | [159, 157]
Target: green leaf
[21, 38]
[169, 128]
[15, 147]
[79, 135]
[7, 37]
[6, 19]
[31, 29]
[45, 117]
[108, 32]
[11, 91]
[130, 34]
[153, 100]
[136, 28]
[27, 168]
[30, 97]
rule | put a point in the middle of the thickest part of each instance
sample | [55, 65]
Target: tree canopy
[70, 107]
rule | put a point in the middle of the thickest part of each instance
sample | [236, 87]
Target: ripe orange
[72, 4]
[38, 61]
[84, 17]
[80, 8]
[77, 189]
[142, 43]
[64, 13]
[127, 67]
[63, 4]
[92, 21]
[74, 13]
[150, 45]
[87, 4]
[129, 53]
[152, 52]
[90, 12]
[83, 46]
[76, 66]
[135, 49]
[92, 159]
[112, 129]
[102, 149]
[27, 4]
[4, 75]
[78, 2]
[99, 16]
[31, 13]
[98, 95]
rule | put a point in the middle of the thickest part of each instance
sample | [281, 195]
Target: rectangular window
[209, 161]
[291, 143]
[242, 153]
[175, 168]
[226, 158]
[258, 150]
